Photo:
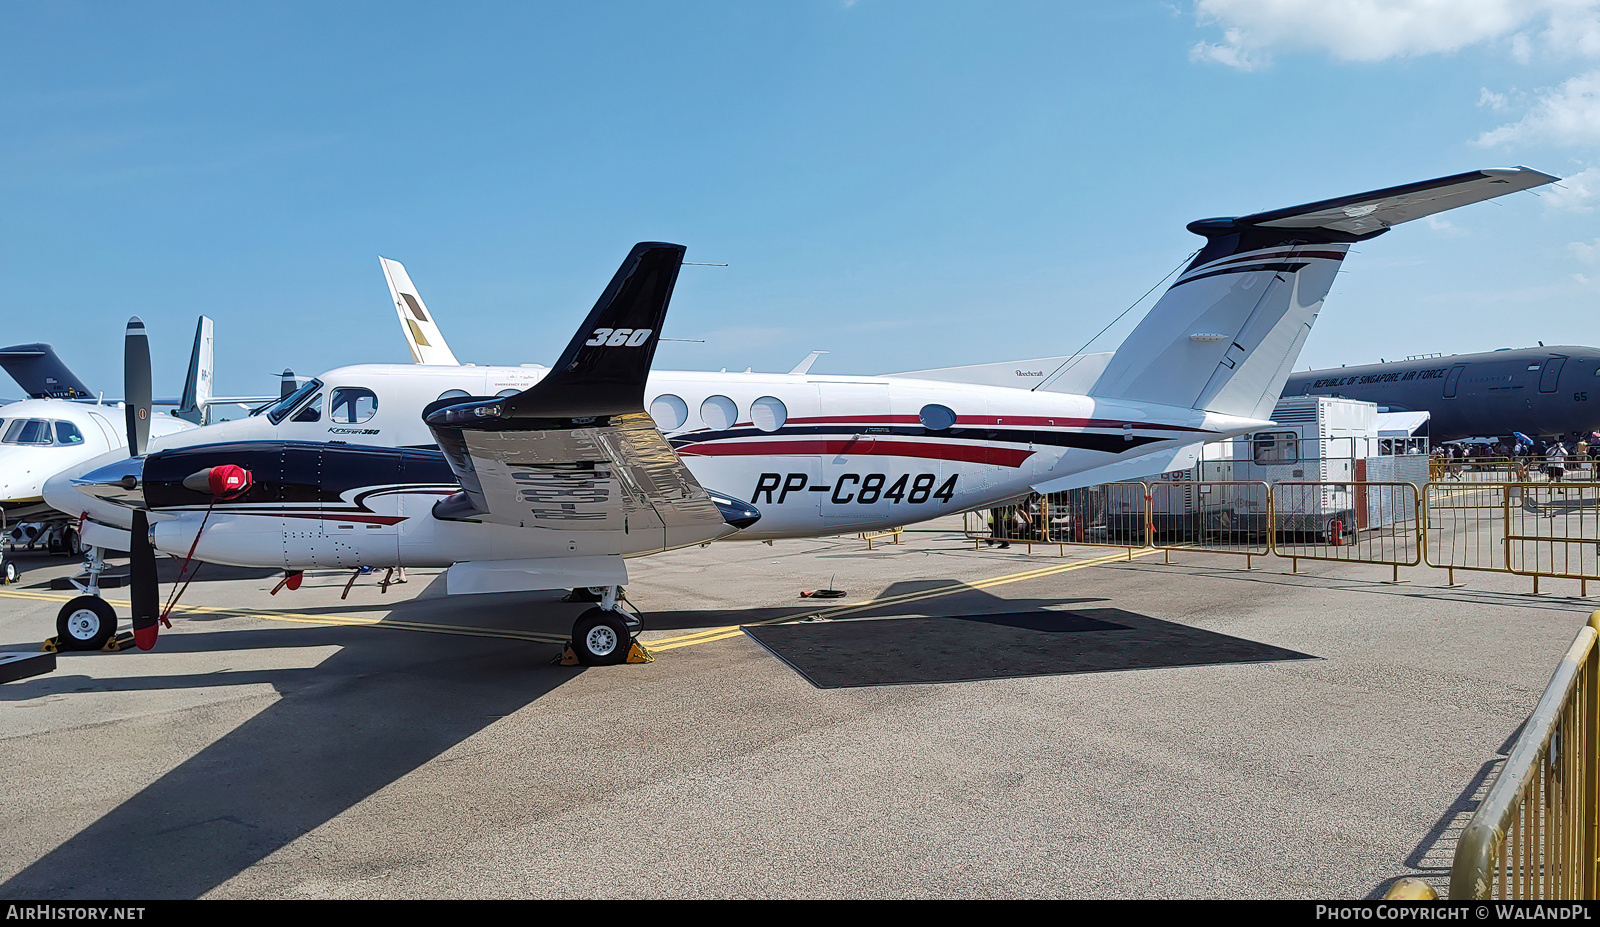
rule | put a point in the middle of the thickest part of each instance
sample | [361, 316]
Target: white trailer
[1327, 441]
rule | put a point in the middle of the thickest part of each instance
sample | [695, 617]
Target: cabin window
[28, 431]
[455, 394]
[669, 412]
[507, 393]
[935, 417]
[352, 405]
[312, 412]
[719, 413]
[1277, 447]
[768, 413]
[277, 410]
[68, 433]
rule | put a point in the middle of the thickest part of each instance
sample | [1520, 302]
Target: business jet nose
[121, 482]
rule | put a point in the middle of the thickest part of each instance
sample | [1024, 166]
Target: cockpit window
[277, 410]
[34, 431]
[68, 433]
[352, 405]
[312, 412]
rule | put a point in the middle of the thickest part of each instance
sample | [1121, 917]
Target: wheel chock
[118, 641]
[636, 654]
[51, 646]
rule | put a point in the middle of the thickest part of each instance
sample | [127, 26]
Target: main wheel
[600, 638]
[72, 543]
[85, 623]
[9, 573]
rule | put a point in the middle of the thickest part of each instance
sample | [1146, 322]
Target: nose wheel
[85, 623]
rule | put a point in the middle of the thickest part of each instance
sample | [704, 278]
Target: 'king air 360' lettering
[521, 478]
[619, 337]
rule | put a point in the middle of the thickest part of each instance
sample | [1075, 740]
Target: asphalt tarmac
[405, 744]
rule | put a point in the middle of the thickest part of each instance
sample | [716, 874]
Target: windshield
[28, 431]
[277, 410]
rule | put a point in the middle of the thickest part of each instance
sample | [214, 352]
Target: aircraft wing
[1367, 213]
[426, 341]
[577, 452]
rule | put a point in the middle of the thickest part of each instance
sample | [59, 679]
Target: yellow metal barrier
[1024, 522]
[1552, 529]
[1356, 522]
[1217, 516]
[1534, 835]
[1465, 526]
[1531, 528]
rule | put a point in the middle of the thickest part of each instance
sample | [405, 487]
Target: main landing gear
[605, 635]
[88, 622]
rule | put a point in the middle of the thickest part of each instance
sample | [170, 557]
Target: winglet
[603, 370]
[416, 323]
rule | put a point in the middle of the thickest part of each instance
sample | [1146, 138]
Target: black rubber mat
[906, 650]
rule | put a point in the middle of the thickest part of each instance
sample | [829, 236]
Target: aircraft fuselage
[1538, 391]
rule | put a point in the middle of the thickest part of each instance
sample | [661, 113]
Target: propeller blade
[136, 386]
[145, 592]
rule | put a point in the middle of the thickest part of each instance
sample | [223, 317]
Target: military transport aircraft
[524, 478]
[1540, 391]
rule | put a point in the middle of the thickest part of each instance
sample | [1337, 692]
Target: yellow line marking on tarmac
[305, 618]
[722, 633]
[706, 636]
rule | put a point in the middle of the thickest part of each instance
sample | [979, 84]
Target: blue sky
[903, 184]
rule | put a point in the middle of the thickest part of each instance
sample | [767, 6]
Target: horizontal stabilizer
[1366, 214]
[1137, 468]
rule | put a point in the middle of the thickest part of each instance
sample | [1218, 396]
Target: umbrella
[1522, 437]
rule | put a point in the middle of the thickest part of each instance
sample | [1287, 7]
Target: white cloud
[1494, 101]
[1445, 227]
[1566, 115]
[1578, 193]
[1586, 252]
[1375, 30]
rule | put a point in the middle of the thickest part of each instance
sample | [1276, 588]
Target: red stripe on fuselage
[866, 446]
[971, 421]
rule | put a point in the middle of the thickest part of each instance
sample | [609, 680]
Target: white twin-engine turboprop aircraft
[552, 478]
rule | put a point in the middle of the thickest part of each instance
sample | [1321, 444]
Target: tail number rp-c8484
[856, 489]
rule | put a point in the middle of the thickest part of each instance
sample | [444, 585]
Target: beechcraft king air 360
[553, 478]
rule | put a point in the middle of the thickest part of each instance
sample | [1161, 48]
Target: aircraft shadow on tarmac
[376, 710]
[382, 706]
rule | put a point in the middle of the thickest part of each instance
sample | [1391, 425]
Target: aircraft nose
[121, 482]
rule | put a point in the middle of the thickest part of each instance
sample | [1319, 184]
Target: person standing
[1555, 460]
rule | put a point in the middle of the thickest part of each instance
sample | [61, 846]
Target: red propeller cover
[228, 480]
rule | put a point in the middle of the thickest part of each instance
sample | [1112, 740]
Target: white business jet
[59, 428]
[553, 478]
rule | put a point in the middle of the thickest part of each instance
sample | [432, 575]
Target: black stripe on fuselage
[1243, 269]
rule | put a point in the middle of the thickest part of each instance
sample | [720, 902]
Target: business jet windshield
[38, 432]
